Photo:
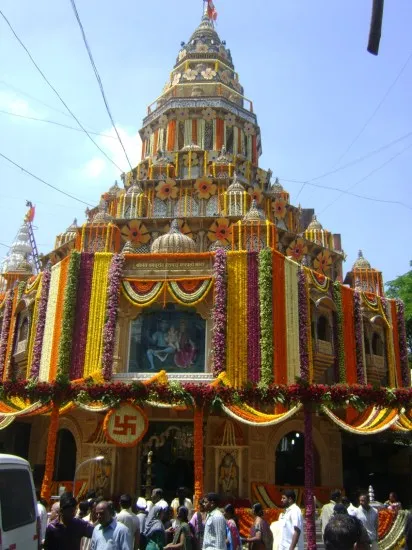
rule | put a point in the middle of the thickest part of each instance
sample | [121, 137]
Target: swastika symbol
[124, 425]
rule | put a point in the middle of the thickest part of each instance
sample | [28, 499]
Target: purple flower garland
[403, 347]
[253, 316]
[82, 314]
[219, 312]
[303, 326]
[109, 330]
[8, 307]
[357, 313]
[309, 479]
[41, 323]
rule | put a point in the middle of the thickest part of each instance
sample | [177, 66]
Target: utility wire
[57, 93]
[53, 122]
[6, 245]
[45, 182]
[99, 80]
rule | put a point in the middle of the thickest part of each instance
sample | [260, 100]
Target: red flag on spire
[211, 10]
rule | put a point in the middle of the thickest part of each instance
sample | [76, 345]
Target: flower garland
[292, 319]
[337, 298]
[7, 362]
[82, 314]
[47, 345]
[391, 306]
[33, 283]
[109, 331]
[189, 292]
[142, 293]
[41, 323]
[54, 357]
[51, 450]
[348, 325]
[34, 320]
[403, 347]
[389, 336]
[279, 318]
[219, 312]
[266, 322]
[198, 453]
[253, 351]
[360, 364]
[303, 326]
[394, 538]
[98, 300]
[68, 317]
[309, 479]
[320, 281]
[5, 330]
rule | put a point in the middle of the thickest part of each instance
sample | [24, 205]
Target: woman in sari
[154, 532]
[182, 539]
[261, 537]
[232, 533]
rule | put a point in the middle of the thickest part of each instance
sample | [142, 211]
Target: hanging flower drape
[41, 323]
[50, 454]
[47, 344]
[253, 352]
[5, 329]
[141, 293]
[360, 363]
[378, 421]
[340, 344]
[109, 331]
[249, 416]
[292, 319]
[219, 312]
[189, 292]
[347, 296]
[304, 322]
[58, 317]
[266, 320]
[279, 318]
[403, 348]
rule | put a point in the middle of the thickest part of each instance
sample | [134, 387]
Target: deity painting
[167, 340]
[228, 476]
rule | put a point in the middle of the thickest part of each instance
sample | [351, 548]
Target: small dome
[314, 224]
[276, 190]
[114, 190]
[174, 242]
[361, 262]
[135, 189]
[129, 248]
[102, 215]
[222, 158]
[254, 214]
[235, 187]
[72, 227]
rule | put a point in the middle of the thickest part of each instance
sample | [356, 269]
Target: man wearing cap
[214, 537]
[128, 518]
[141, 506]
[66, 532]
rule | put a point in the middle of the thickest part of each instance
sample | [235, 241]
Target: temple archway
[290, 461]
[65, 462]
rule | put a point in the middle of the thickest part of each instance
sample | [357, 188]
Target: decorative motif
[135, 232]
[182, 114]
[125, 426]
[176, 79]
[221, 231]
[147, 132]
[208, 74]
[182, 226]
[219, 312]
[249, 129]
[166, 189]
[256, 194]
[190, 74]
[230, 120]
[323, 261]
[297, 249]
[225, 76]
[189, 292]
[163, 121]
[279, 208]
[141, 293]
[190, 159]
[205, 188]
[320, 281]
[208, 114]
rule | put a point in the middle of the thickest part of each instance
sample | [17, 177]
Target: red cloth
[211, 11]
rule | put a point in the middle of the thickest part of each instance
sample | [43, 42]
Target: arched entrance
[290, 461]
[65, 461]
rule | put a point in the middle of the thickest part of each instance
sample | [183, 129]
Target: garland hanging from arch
[188, 292]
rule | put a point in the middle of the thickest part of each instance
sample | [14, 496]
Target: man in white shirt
[214, 536]
[369, 518]
[291, 523]
[128, 518]
[327, 510]
[42, 513]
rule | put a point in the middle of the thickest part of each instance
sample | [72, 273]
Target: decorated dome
[135, 189]
[235, 187]
[276, 191]
[174, 242]
[129, 248]
[361, 262]
[102, 216]
[254, 214]
[114, 190]
[315, 224]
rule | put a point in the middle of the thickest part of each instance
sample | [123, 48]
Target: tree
[401, 288]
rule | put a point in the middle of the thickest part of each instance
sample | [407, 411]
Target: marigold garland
[219, 312]
[198, 453]
[347, 296]
[253, 316]
[41, 323]
[187, 298]
[68, 317]
[134, 293]
[33, 326]
[50, 454]
[5, 328]
[360, 352]
[266, 320]
[58, 318]
[12, 327]
[33, 283]
[337, 297]
[47, 344]
[292, 319]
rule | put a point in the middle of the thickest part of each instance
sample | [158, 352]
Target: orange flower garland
[198, 453]
[246, 518]
[386, 519]
[51, 451]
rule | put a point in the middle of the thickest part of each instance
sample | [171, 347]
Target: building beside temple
[181, 331]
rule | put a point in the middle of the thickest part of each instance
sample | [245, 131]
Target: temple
[197, 329]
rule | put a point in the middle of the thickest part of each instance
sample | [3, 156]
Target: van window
[16, 498]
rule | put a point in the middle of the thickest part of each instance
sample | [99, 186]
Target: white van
[19, 524]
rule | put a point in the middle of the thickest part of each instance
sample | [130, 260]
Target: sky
[321, 99]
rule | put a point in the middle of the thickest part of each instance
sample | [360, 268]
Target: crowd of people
[95, 524]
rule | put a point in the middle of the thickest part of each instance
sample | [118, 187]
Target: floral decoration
[225, 76]
[50, 454]
[190, 74]
[403, 347]
[201, 47]
[230, 120]
[357, 311]
[135, 232]
[184, 228]
[176, 79]
[41, 323]
[147, 132]
[182, 54]
[208, 74]
[208, 114]
[166, 189]
[323, 261]
[4, 337]
[249, 129]
[304, 320]
[337, 298]
[191, 159]
[205, 188]
[297, 249]
[220, 230]
[253, 350]
[109, 330]
[68, 317]
[219, 312]
[279, 208]
[198, 453]
[163, 121]
[182, 114]
[266, 322]
[255, 193]
[386, 519]
[189, 292]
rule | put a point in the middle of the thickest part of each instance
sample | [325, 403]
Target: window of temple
[290, 461]
[181, 135]
[323, 329]
[367, 344]
[186, 207]
[65, 461]
[24, 330]
[208, 135]
[377, 344]
[229, 139]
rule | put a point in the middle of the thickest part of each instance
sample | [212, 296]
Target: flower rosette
[357, 311]
[135, 232]
[219, 312]
[205, 188]
[41, 323]
[220, 231]
[8, 307]
[166, 189]
[297, 249]
[265, 304]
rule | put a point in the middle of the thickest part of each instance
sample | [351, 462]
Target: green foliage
[401, 288]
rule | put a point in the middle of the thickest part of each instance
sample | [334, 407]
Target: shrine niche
[229, 450]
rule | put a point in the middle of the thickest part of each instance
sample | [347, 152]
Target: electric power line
[6, 245]
[53, 122]
[99, 80]
[45, 182]
[56, 92]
